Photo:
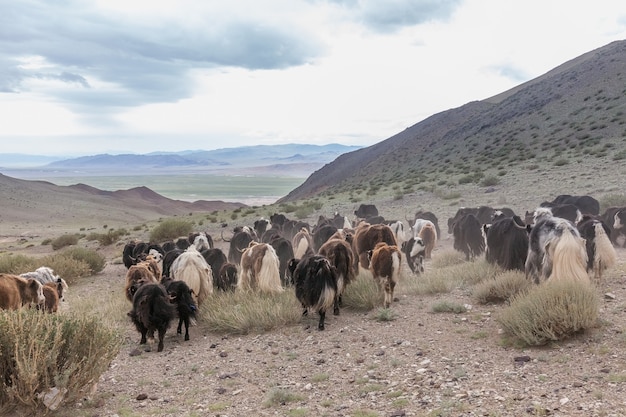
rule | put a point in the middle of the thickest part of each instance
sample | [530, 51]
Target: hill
[571, 116]
[39, 203]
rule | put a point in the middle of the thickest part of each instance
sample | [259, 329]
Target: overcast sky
[81, 77]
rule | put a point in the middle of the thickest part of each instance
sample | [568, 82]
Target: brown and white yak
[339, 254]
[260, 269]
[385, 266]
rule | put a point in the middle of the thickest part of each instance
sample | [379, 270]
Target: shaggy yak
[152, 311]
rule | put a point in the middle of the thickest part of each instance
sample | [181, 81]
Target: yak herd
[564, 238]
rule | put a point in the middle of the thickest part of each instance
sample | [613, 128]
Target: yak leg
[161, 337]
[186, 328]
[322, 314]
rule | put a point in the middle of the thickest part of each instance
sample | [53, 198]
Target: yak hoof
[336, 311]
[320, 327]
[186, 337]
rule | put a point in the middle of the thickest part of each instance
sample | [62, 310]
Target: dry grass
[551, 311]
[500, 289]
[245, 312]
[363, 294]
[39, 352]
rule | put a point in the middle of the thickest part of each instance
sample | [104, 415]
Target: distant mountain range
[284, 160]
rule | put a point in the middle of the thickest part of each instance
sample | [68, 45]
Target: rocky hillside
[568, 115]
[41, 202]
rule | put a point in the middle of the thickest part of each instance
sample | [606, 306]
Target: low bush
[448, 307]
[67, 267]
[489, 181]
[109, 238]
[39, 352]
[502, 288]
[612, 200]
[363, 294]
[171, 229]
[63, 241]
[16, 264]
[94, 260]
[551, 311]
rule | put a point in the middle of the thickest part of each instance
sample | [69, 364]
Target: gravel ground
[420, 364]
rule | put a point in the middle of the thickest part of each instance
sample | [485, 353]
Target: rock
[524, 358]
[399, 413]
[135, 352]
[141, 397]
[609, 296]
[53, 397]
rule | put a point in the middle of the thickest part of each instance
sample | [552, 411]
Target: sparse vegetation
[65, 240]
[363, 294]
[171, 229]
[448, 307]
[551, 311]
[502, 288]
[241, 313]
[39, 352]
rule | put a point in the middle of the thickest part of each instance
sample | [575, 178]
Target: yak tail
[269, 274]
[605, 256]
[301, 249]
[326, 300]
[569, 258]
[396, 258]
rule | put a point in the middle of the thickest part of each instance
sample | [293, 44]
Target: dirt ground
[419, 364]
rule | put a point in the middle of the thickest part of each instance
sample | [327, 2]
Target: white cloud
[119, 75]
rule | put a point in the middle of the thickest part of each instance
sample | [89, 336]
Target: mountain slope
[41, 202]
[575, 111]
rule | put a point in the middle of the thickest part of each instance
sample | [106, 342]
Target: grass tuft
[42, 351]
[245, 312]
[551, 311]
[448, 307]
[505, 286]
[363, 294]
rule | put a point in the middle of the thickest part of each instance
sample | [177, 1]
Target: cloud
[122, 60]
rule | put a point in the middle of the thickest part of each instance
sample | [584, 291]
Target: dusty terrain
[419, 364]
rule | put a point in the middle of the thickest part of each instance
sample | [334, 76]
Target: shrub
[551, 311]
[385, 314]
[613, 200]
[170, 229]
[502, 288]
[43, 351]
[489, 181]
[560, 162]
[363, 294]
[106, 239]
[16, 264]
[303, 212]
[63, 241]
[448, 258]
[279, 396]
[448, 307]
[94, 260]
[65, 266]
[244, 312]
